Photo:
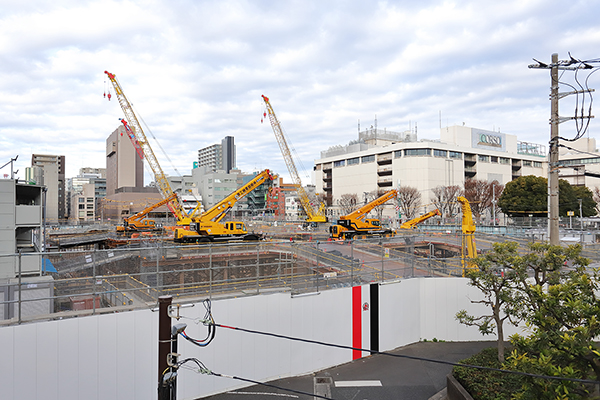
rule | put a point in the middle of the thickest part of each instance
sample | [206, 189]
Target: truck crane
[468, 235]
[133, 127]
[355, 223]
[410, 224]
[208, 228]
[313, 216]
[137, 222]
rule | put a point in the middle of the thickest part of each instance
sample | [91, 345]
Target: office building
[54, 180]
[124, 167]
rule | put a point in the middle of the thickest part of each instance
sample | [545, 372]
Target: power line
[407, 356]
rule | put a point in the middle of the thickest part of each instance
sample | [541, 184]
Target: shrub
[487, 385]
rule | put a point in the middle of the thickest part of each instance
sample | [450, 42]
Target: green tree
[558, 303]
[495, 278]
[529, 194]
[524, 195]
[588, 204]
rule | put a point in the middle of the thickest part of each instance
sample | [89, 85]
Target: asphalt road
[378, 377]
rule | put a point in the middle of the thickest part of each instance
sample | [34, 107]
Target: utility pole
[553, 233]
[553, 162]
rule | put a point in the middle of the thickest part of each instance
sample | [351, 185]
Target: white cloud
[195, 70]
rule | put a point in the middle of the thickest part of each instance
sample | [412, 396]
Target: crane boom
[413, 222]
[218, 211]
[313, 216]
[364, 210]
[468, 230]
[208, 228]
[134, 126]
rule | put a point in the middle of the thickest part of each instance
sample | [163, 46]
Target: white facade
[382, 161]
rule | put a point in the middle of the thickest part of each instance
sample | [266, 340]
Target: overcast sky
[195, 72]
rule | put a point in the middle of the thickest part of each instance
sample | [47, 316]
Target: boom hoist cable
[313, 215]
[134, 127]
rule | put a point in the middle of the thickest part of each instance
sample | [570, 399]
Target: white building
[383, 160]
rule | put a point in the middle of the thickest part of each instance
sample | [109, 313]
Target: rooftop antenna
[359, 126]
[375, 123]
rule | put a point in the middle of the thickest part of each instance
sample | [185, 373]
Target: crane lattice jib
[219, 210]
[289, 162]
[364, 210]
[161, 180]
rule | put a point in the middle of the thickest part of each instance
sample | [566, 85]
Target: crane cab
[235, 228]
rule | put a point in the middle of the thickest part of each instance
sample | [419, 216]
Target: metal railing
[104, 281]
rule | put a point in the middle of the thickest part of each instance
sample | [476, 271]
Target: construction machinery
[313, 216]
[356, 223]
[135, 131]
[411, 224]
[137, 222]
[468, 249]
[208, 228]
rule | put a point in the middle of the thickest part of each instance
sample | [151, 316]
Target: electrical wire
[204, 370]
[581, 96]
[208, 321]
[409, 357]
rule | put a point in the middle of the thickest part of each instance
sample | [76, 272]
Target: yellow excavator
[468, 235]
[355, 223]
[208, 228]
[137, 223]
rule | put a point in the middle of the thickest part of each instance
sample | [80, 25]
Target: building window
[340, 163]
[90, 199]
[367, 159]
[537, 164]
[90, 207]
[353, 161]
[417, 152]
[82, 206]
[398, 154]
[81, 200]
[504, 160]
[494, 159]
[440, 153]
[483, 158]
[454, 154]
[526, 163]
[90, 213]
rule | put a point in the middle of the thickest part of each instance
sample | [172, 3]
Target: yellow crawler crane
[313, 216]
[208, 228]
[468, 235]
[355, 223]
[137, 222]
